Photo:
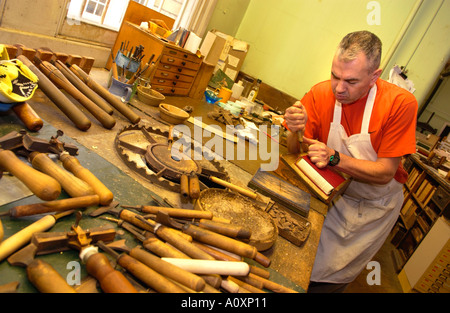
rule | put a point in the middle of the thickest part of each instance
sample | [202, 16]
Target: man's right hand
[296, 117]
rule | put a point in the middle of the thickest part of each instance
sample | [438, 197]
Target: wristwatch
[334, 159]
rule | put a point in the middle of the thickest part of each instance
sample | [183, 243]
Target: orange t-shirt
[392, 125]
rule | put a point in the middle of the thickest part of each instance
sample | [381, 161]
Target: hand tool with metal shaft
[170, 271]
[211, 238]
[219, 254]
[165, 233]
[16, 241]
[58, 98]
[52, 206]
[211, 266]
[149, 240]
[75, 187]
[42, 185]
[62, 82]
[70, 163]
[243, 191]
[97, 264]
[40, 273]
[105, 94]
[142, 272]
[28, 116]
[81, 86]
[227, 229]
[173, 212]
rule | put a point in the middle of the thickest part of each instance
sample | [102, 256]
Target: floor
[389, 282]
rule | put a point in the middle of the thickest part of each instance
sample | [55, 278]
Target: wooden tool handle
[105, 94]
[162, 249]
[148, 276]
[62, 82]
[173, 272]
[220, 241]
[81, 86]
[228, 230]
[272, 285]
[46, 279]
[74, 186]
[184, 186]
[28, 116]
[72, 164]
[194, 187]
[111, 280]
[182, 244]
[178, 212]
[42, 185]
[58, 98]
[54, 206]
[243, 191]
[211, 266]
[19, 239]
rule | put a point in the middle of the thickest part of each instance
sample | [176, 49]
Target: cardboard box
[233, 55]
[227, 52]
[212, 47]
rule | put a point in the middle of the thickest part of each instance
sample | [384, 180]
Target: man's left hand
[318, 152]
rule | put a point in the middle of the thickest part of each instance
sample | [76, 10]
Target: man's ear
[375, 75]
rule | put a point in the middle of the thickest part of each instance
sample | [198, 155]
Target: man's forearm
[379, 172]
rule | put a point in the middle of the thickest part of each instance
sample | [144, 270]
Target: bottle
[254, 92]
[237, 90]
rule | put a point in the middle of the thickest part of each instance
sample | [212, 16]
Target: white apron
[359, 221]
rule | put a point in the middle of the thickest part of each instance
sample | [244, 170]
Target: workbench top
[291, 265]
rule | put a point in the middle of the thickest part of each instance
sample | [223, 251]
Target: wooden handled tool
[81, 86]
[243, 191]
[14, 242]
[74, 186]
[229, 230]
[54, 206]
[220, 241]
[111, 280]
[184, 186]
[173, 212]
[173, 272]
[72, 164]
[211, 267]
[194, 186]
[105, 94]
[185, 246]
[62, 82]
[46, 279]
[42, 185]
[59, 99]
[145, 274]
[28, 116]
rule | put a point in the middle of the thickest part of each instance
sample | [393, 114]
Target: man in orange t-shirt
[363, 126]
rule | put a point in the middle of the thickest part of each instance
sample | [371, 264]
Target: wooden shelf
[427, 197]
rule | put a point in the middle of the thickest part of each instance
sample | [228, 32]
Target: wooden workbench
[291, 265]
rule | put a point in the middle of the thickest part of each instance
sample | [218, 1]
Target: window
[109, 13]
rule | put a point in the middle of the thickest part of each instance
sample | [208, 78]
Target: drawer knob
[183, 63]
[179, 70]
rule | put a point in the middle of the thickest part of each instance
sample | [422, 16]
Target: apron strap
[368, 110]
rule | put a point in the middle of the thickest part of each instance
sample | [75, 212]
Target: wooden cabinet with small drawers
[176, 71]
[176, 68]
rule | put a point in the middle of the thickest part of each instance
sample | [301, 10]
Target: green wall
[292, 42]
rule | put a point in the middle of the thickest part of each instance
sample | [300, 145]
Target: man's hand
[296, 117]
[318, 152]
